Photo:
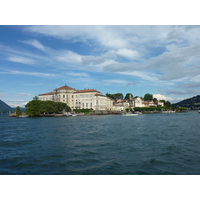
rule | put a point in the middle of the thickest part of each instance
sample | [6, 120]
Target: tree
[155, 100]
[148, 97]
[167, 104]
[18, 111]
[115, 96]
[118, 96]
[128, 96]
[36, 108]
[109, 95]
[36, 98]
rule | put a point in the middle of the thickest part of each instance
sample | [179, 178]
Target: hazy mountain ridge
[192, 103]
[4, 107]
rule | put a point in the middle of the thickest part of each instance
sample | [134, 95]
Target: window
[83, 105]
[86, 105]
[63, 96]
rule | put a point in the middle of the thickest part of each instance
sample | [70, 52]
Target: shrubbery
[37, 107]
[83, 110]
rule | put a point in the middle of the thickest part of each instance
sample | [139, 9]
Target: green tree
[128, 96]
[155, 100]
[36, 108]
[167, 104]
[18, 111]
[36, 98]
[115, 96]
[148, 97]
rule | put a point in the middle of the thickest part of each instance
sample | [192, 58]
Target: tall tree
[128, 96]
[18, 111]
[148, 97]
[36, 98]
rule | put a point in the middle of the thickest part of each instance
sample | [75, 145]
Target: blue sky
[161, 60]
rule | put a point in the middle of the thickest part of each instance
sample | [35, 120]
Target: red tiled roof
[49, 93]
[65, 88]
[89, 90]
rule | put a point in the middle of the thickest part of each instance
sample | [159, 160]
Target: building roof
[65, 87]
[89, 90]
[49, 93]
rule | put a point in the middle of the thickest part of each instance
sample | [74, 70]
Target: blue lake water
[154, 144]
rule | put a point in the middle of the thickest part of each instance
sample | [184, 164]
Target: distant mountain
[192, 103]
[4, 107]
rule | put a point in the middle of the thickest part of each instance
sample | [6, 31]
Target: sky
[138, 59]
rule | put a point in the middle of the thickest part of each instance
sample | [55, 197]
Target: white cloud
[127, 53]
[116, 81]
[76, 74]
[24, 94]
[20, 59]
[142, 74]
[38, 74]
[68, 57]
[180, 92]
[35, 43]
[16, 100]
[16, 103]
[162, 97]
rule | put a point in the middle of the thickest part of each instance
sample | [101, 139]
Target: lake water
[155, 144]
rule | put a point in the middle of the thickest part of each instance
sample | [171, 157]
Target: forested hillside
[4, 107]
[192, 103]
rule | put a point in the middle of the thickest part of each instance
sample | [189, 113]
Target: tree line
[37, 107]
[147, 97]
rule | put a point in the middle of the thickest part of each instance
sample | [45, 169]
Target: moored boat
[130, 114]
[67, 114]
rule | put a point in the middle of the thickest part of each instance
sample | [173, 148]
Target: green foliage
[36, 98]
[129, 109]
[115, 96]
[18, 111]
[148, 97]
[83, 110]
[109, 95]
[155, 100]
[143, 109]
[36, 107]
[128, 96]
[180, 108]
[167, 104]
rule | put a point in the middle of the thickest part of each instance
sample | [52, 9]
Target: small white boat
[199, 111]
[67, 114]
[130, 114]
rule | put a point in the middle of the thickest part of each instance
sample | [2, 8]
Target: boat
[198, 111]
[130, 114]
[67, 114]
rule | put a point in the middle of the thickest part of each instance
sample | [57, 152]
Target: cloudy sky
[161, 60]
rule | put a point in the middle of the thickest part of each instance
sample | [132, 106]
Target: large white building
[79, 99]
[90, 98]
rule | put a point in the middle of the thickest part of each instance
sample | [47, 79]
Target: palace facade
[93, 99]
[79, 99]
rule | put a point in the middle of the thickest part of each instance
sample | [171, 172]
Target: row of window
[77, 96]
